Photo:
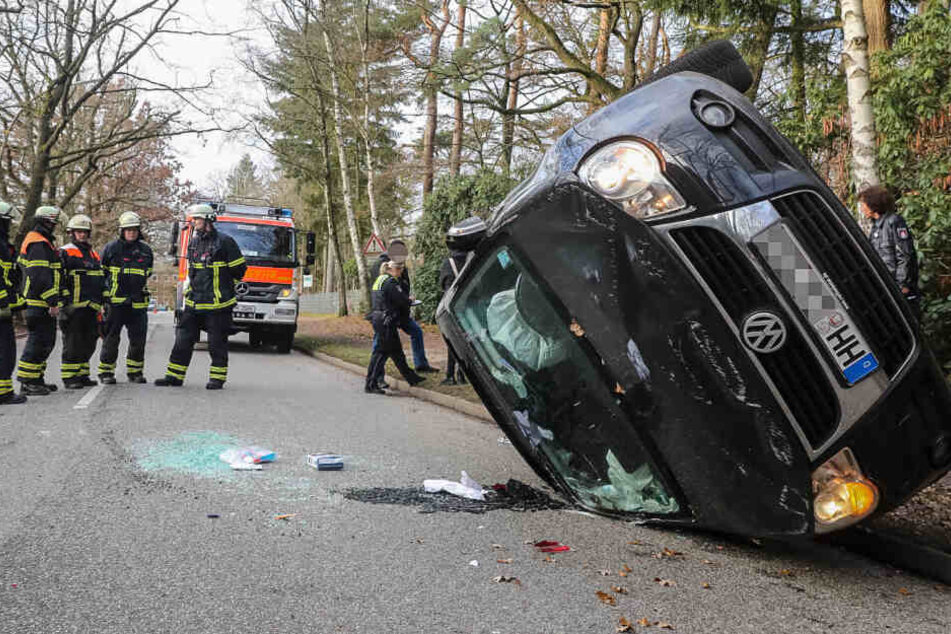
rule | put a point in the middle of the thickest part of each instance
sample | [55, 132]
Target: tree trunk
[431, 90]
[652, 44]
[760, 50]
[327, 177]
[345, 174]
[855, 62]
[877, 24]
[371, 174]
[508, 119]
[455, 156]
[797, 53]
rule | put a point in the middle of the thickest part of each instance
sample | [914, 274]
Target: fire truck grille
[740, 289]
[834, 253]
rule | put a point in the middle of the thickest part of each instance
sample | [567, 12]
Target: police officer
[892, 240]
[389, 301]
[10, 301]
[41, 268]
[82, 300]
[127, 262]
[215, 265]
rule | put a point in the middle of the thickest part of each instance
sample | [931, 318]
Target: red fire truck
[267, 305]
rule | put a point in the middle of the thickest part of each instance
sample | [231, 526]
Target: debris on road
[504, 441]
[547, 546]
[667, 583]
[325, 461]
[213, 516]
[505, 579]
[504, 561]
[618, 590]
[285, 516]
[625, 571]
[513, 496]
[606, 598]
[474, 563]
[465, 488]
[623, 625]
[247, 458]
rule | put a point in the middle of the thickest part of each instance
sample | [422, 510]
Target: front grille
[830, 246]
[261, 292]
[740, 289]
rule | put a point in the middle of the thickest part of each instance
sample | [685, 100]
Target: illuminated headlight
[842, 496]
[287, 293]
[630, 173]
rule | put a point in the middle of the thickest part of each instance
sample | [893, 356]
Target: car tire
[285, 342]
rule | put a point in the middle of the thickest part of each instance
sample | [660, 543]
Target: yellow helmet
[129, 220]
[79, 222]
[47, 212]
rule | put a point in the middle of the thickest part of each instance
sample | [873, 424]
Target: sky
[235, 93]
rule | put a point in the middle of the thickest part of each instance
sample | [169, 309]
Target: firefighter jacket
[9, 275]
[388, 301]
[41, 268]
[893, 242]
[128, 266]
[83, 277]
[215, 265]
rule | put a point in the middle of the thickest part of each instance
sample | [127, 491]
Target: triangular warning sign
[374, 246]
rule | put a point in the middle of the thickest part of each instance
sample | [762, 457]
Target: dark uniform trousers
[217, 323]
[80, 333]
[136, 322]
[389, 348]
[8, 355]
[39, 344]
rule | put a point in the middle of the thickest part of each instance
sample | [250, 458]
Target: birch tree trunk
[431, 90]
[333, 250]
[455, 155]
[345, 172]
[855, 61]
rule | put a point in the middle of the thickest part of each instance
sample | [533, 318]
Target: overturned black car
[675, 320]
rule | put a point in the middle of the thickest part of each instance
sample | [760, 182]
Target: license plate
[819, 300]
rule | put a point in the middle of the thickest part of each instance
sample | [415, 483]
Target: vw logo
[241, 289]
[764, 332]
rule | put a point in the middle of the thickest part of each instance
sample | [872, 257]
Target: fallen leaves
[904, 592]
[667, 553]
[619, 589]
[664, 625]
[705, 585]
[504, 561]
[623, 625]
[634, 542]
[285, 516]
[625, 571]
[498, 547]
[666, 583]
[606, 598]
[576, 328]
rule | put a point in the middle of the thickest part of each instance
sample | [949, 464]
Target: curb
[899, 551]
[450, 402]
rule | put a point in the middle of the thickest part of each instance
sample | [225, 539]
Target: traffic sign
[374, 246]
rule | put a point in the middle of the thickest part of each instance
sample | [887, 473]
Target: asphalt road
[105, 526]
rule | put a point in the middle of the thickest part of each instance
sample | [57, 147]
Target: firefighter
[389, 301]
[83, 282]
[215, 265]
[41, 268]
[892, 240]
[127, 262]
[10, 301]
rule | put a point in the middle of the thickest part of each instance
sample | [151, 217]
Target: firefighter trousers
[136, 323]
[41, 338]
[8, 356]
[217, 323]
[80, 333]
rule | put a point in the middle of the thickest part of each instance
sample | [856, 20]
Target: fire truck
[267, 305]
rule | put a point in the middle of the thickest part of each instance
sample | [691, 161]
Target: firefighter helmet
[47, 212]
[129, 220]
[79, 222]
[202, 210]
[8, 211]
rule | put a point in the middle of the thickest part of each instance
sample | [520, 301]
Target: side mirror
[173, 244]
[310, 259]
[311, 246]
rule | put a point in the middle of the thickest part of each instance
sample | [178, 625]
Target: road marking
[89, 397]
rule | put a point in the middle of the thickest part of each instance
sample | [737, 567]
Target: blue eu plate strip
[860, 369]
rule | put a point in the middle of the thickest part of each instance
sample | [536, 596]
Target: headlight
[287, 293]
[841, 494]
[629, 173]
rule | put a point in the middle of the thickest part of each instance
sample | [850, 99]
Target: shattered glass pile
[513, 496]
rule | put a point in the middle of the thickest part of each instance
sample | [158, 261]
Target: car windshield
[263, 243]
[558, 401]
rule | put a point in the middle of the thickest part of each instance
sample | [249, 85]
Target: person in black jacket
[892, 240]
[215, 265]
[41, 269]
[82, 300]
[389, 300]
[10, 301]
[127, 262]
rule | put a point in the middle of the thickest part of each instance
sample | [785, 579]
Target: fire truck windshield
[262, 243]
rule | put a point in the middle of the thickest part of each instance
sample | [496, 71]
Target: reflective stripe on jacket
[9, 277]
[215, 265]
[128, 267]
[40, 264]
[83, 278]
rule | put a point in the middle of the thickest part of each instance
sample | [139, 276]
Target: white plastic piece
[467, 488]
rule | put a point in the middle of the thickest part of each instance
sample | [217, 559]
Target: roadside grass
[359, 354]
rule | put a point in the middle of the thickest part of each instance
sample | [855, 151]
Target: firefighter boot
[107, 379]
[169, 381]
[34, 389]
[214, 384]
[88, 382]
[137, 378]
